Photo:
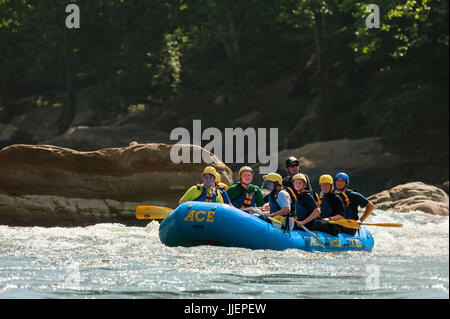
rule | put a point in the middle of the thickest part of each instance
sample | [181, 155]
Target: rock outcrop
[48, 185]
[371, 166]
[413, 196]
[90, 138]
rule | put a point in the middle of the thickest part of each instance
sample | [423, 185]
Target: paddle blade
[152, 212]
[348, 223]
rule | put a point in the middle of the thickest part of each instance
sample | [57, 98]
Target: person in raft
[332, 206]
[355, 200]
[243, 194]
[280, 201]
[221, 188]
[293, 167]
[307, 210]
[205, 192]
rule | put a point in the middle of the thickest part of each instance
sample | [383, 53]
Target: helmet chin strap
[245, 184]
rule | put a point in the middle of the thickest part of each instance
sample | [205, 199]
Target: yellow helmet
[300, 176]
[326, 179]
[245, 168]
[217, 175]
[274, 177]
[209, 170]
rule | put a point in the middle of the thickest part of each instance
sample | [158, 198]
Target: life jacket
[350, 212]
[325, 208]
[246, 199]
[287, 222]
[206, 196]
[301, 211]
[223, 186]
[316, 197]
[344, 199]
[220, 188]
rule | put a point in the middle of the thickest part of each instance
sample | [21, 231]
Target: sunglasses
[293, 165]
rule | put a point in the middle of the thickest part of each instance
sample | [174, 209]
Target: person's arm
[311, 204]
[259, 199]
[314, 214]
[369, 208]
[225, 197]
[284, 211]
[189, 195]
[337, 217]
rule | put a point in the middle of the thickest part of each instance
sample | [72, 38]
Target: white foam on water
[37, 261]
[421, 235]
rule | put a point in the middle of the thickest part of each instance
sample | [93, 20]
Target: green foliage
[390, 81]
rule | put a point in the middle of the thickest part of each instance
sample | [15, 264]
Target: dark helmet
[291, 160]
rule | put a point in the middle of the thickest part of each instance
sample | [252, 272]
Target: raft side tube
[202, 223]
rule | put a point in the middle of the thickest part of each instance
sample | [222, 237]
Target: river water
[116, 261]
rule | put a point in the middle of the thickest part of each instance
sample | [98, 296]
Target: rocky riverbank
[413, 196]
[48, 185]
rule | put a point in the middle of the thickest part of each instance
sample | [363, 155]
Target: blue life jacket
[325, 207]
[274, 207]
[206, 197]
[302, 211]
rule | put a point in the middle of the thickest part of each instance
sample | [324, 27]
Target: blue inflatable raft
[202, 223]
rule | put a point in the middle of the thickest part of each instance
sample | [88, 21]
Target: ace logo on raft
[200, 216]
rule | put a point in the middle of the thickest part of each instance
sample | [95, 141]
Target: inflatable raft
[202, 223]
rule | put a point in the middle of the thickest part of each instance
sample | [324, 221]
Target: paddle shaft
[350, 223]
[383, 224]
[273, 220]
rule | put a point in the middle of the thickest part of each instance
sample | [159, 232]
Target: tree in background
[349, 81]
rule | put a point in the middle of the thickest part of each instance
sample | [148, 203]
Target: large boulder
[48, 185]
[413, 196]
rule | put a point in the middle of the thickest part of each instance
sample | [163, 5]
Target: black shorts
[331, 229]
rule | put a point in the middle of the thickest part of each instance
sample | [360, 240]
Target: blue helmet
[343, 176]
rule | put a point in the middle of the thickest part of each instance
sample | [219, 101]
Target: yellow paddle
[383, 224]
[311, 233]
[152, 212]
[350, 223]
[160, 212]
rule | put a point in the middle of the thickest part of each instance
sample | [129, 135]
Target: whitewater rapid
[116, 261]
